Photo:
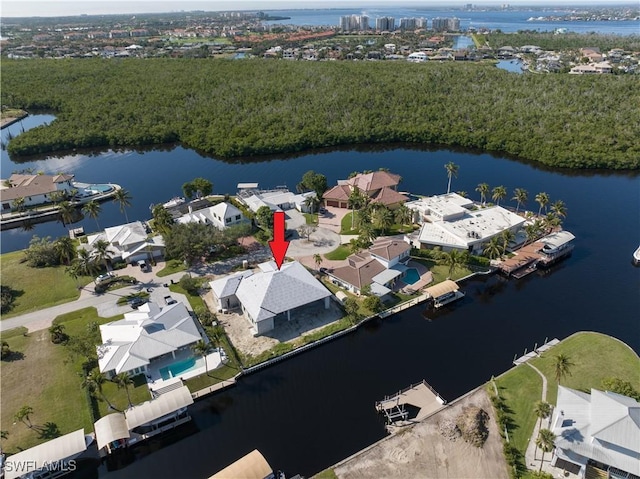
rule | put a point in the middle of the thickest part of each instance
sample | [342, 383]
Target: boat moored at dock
[636, 256]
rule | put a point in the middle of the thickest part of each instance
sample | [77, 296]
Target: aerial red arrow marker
[278, 246]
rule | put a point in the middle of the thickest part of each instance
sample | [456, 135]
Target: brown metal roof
[447, 286]
[251, 466]
[23, 186]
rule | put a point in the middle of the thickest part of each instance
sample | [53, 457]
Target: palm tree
[521, 196]
[162, 220]
[403, 216]
[483, 189]
[18, 204]
[383, 218]
[454, 259]
[312, 202]
[202, 349]
[56, 196]
[506, 237]
[498, 193]
[562, 366]
[101, 252]
[550, 222]
[92, 209]
[452, 170]
[545, 442]
[542, 409]
[67, 211]
[23, 416]
[355, 202]
[542, 199]
[367, 233]
[73, 271]
[123, 198]
[94, 382]
[317, 258]
[492, 249]
[532, 231]
[84, 263]
[57, 333]
[123, 381]
[65, 248]
[559, 209]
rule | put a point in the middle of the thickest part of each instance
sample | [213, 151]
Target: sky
[50, 8]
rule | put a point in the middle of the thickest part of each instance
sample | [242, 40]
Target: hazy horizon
[53, 8]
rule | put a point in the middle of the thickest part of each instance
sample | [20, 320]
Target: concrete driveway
[321, 241]
[294, 219]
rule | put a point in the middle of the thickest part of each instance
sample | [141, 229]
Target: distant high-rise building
[385, 24]
[408, 23]
[421, 23]
[446, 24]
[363, 22]
[350, 23]
[454, 24]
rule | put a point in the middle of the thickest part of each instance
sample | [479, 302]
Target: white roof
[227, 286]
[127, 234]
[379, 290]
[57, 449]
[602, 426]
[247, 186]
[111, 428]
[555, 240]
[145, 334]
[215, 214]
[163, 405]
[386, 276]
[268, 293]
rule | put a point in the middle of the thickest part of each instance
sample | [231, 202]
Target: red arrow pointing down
[278, 246]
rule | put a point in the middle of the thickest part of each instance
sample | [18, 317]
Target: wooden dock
[419, 395]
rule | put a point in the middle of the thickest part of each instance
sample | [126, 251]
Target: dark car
[135, 303]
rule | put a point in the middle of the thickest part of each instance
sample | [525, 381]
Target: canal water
[308, 412]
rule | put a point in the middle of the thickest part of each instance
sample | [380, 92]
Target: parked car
[105, 277]
[169, 300]
[144, 266]
[135, 303]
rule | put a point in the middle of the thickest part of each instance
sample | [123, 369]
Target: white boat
[176, 201]
[636, 256]
[448, 298]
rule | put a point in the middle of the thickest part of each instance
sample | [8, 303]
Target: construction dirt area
[422, 450]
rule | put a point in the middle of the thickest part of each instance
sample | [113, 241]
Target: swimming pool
[178, 368]
[100, 188]
[411, 276]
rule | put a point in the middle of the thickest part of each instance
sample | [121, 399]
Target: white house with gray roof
[221, 216]
[142, 336]
[270, 294]
[601, 428]
[129, 242]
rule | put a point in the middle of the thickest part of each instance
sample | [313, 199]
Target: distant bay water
[507, 20]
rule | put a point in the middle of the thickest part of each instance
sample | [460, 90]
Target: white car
[104, 277]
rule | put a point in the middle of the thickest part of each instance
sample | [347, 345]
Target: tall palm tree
[355, 202]
[123, 198]
[452, 170]
[493, 249]
[67, 211]
[506, 237]
[454, 259]
[23, 415]
[562, 366]
[383, 218]
[498, 193]
[542, 409]
[312, 202]
[367, 233]
[483, 189]
[542, 199]
[403, 216]
[532, 231]
[94, 382]
[521, 196]
[550, 222]
[18, 204]
[123, 381]
[317, 258]
[92, 209]
[545, 442]
[85, 263]
[162, 220]
[65, 248]
[73, 271]
[56, 197]
[559, 209]
[101, 252]
[202, 349]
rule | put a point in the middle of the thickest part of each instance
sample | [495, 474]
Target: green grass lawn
[345, 226]
[214, 377]
[340, 253]
[195, 301]
[37, 288]
[172, 266]
[521, 387]
[312, 218]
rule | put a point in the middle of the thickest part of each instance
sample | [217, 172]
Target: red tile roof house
[378, 267]
[380, 186]
[35, 189]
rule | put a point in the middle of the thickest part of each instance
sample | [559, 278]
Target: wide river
[309, 412]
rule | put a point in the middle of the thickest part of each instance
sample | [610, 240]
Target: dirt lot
[420, 451]
[303, 321]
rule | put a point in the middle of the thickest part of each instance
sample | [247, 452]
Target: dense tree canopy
[238, 108]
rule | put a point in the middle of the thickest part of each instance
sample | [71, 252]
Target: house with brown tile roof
[389, 251]
[35, 189]
[380, 186]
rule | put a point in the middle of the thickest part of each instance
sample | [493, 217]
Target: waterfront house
[35, 189]
[129, 242]
[451, 222]
[279, 198]
[221, 216]
[149, 334]
[379, 267]
[379, 186]
[270, 295]
[601, 429]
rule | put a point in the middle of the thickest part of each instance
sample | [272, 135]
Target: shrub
[189, 284]
[472, 423]
[6, 351]
[373, 304]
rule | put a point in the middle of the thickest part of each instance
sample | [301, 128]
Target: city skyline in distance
[53, 8]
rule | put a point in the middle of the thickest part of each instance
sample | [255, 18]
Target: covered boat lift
[251, 466]
[443, 293]
[111, 429]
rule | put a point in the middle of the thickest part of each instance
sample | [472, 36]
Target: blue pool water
[411, 276]
[178, 368]
[100, 188]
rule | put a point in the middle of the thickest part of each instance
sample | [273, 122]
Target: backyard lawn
[521, 387]
[340, 253]
[172, 266]
[37, 288]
